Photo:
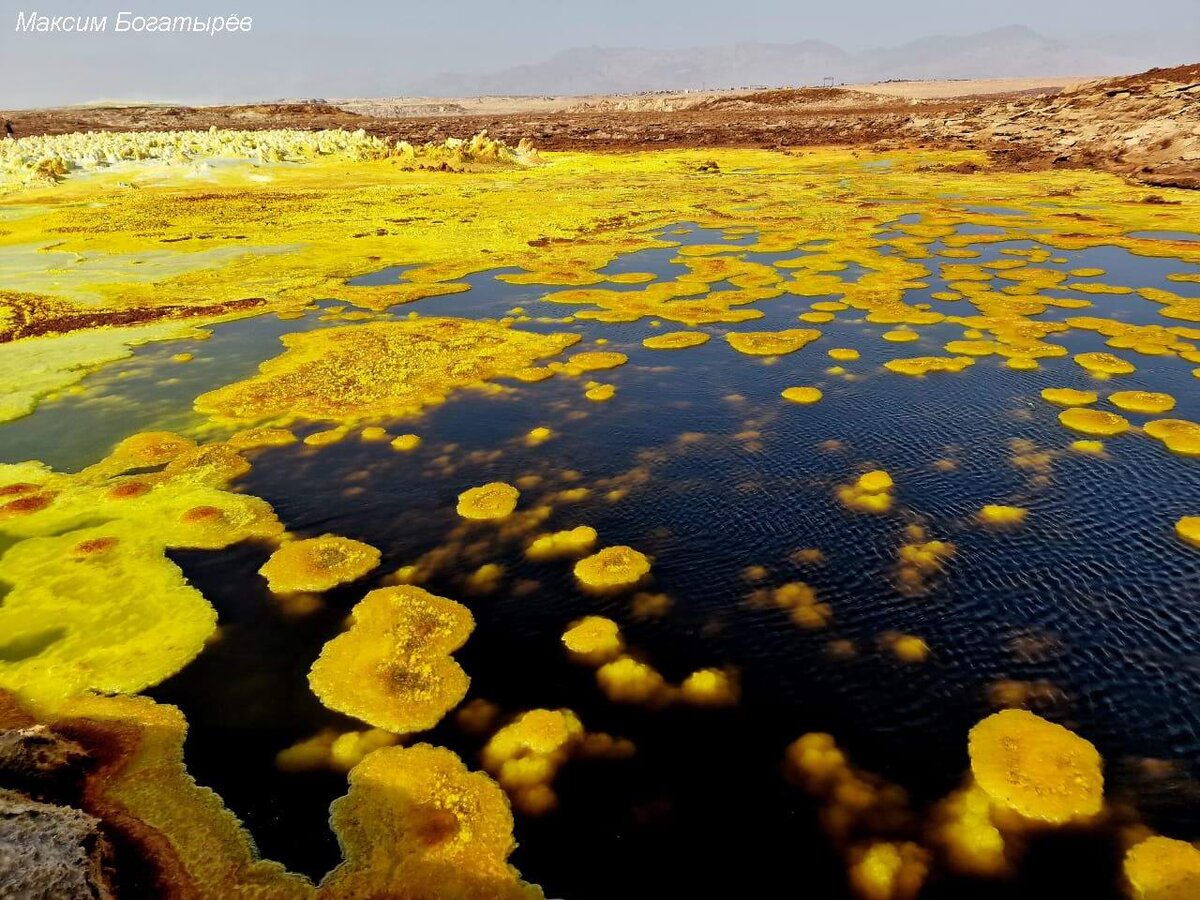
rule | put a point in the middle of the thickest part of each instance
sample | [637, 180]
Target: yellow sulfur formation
[1035, 768]
[329, 749]
[771, 343]
[998, 516]
[613, 568]
[1069, 397]
[710, 687]
[318, 564]
[406, 442]
[526, 755]
[962, 826]
[1094, 421]
[377, 370]
[1104, 364]
[800, 600]
[1147, 402]
[415, 823]
[596, 360]
[676, 340]
[562, 544]
[71, 622]
[888, 871]
[75, 543]
[393, 668]
[907, 648]
[496, 500]
[1160, 868]
[802, 395]
[1188, 529]
[1090, 448]
[871, 493]
[593, 640]
[138, 786]
[1178, 435]
[625, 680]
[598, 393]
[538, 436]
[919, 366]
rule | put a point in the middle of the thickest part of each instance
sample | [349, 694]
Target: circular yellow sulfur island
[495, 500]
[1035, 768]
[676, 340]
[1104, 364]
[1188, 529]
[1160, 868]
[594, 640]
[999, 516]
[1069, 397]
[802, 395]
[318, 564]
[1148, 402]
[612, 568]
[1094, 421]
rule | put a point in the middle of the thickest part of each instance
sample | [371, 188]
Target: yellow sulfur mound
[495, 500]
[613, 568]
[537, 436]
[1090, 448]
[71, 622]
[1160, 868]
[871, 493]
[254, 438]
[772, 343]
[406, 442]
[526, 755]
[598, 393]
[393, 668]
[1147, 402]
[919, 366]
[1178, 435]
[907, 647]
[962, 826]
[329, 749]
[800, 600]
[1036, 768]
[562, 544]
[625, 680]
[999, 516]
[710, 687]
[596, 360]
[1188, 529]
[73, 545]
[901, 336]
[318, 564]
[802, 395]
[593, 640]
[888, 871]
[139, 788]
[1069, 397]
[844, 354]
[378, 370]
[416, 824]
[676, 340]
[919, 560]
[1094, 421]
[1104, 364]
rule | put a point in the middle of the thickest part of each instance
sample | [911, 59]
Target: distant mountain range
[1015, 51]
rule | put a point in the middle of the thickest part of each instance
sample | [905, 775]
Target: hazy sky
[305, 48]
